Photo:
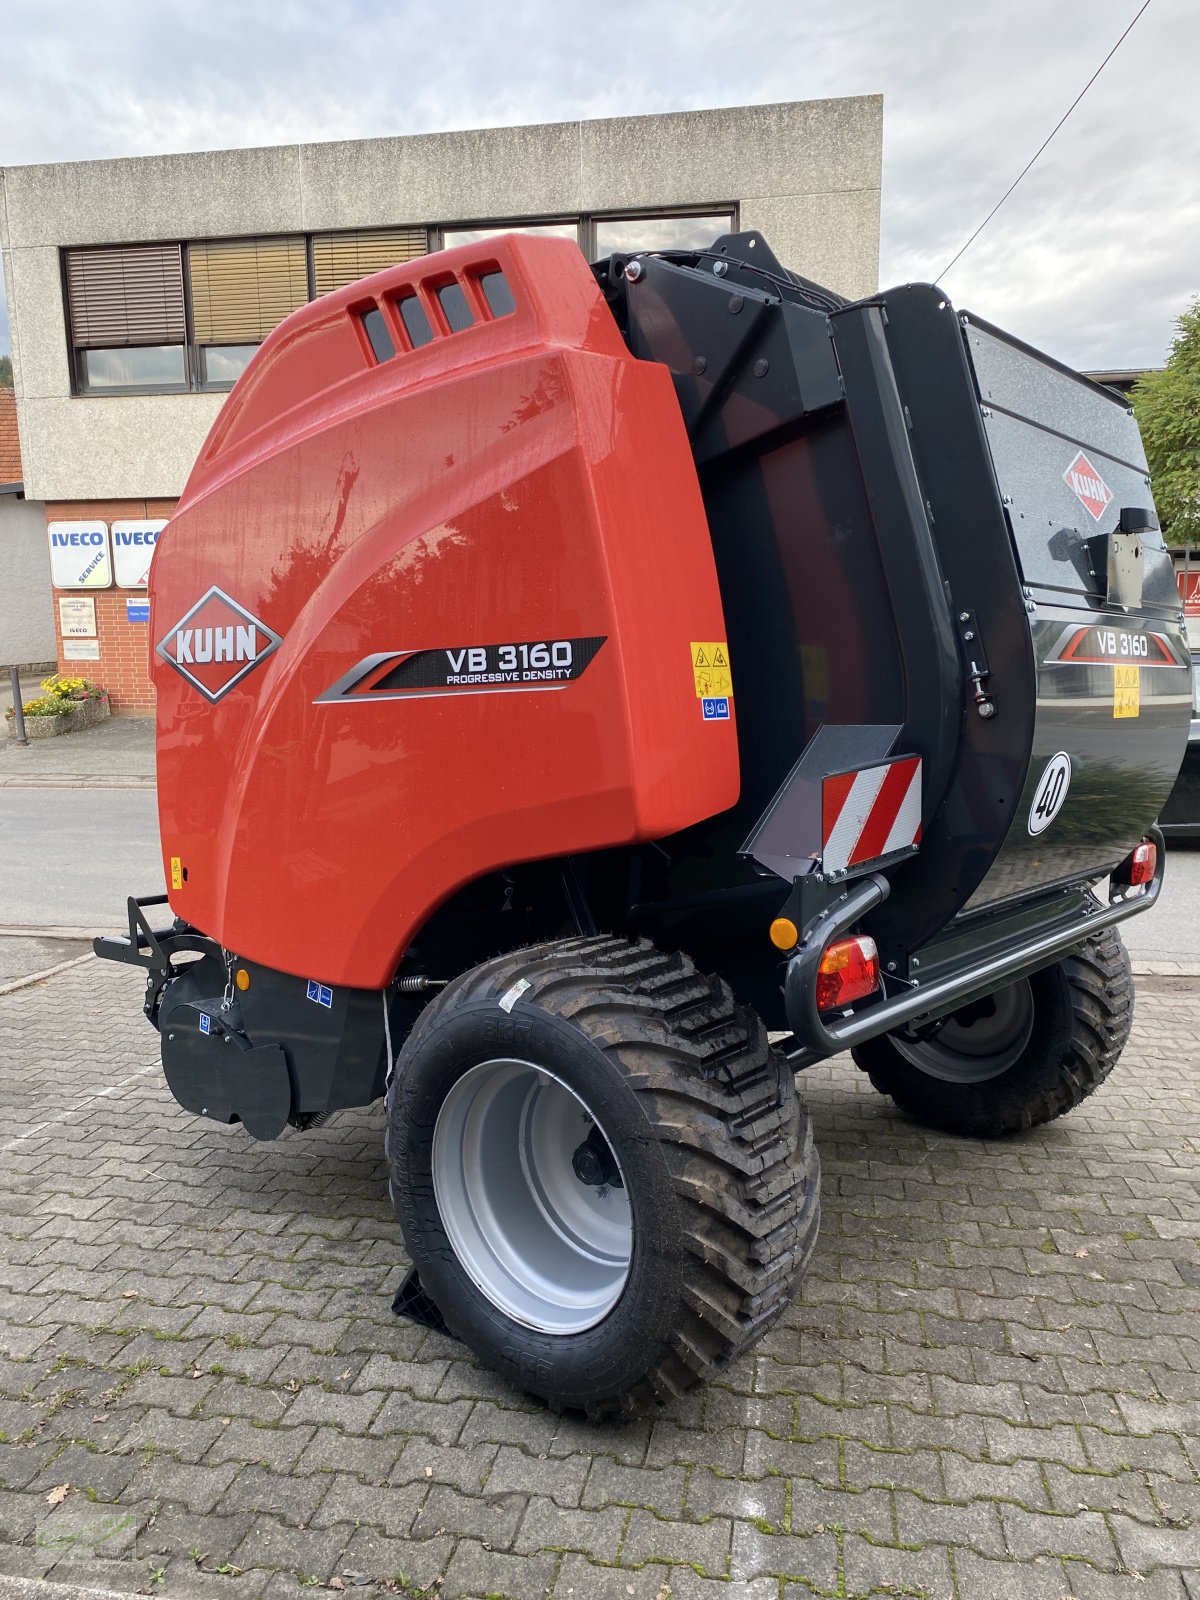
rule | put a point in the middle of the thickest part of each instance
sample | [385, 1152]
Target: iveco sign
[133, 548]
[79, 555]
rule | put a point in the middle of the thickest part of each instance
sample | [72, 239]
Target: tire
[1049, 1042]
[698, 1126]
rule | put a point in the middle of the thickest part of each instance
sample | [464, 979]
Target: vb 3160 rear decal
[466, 669]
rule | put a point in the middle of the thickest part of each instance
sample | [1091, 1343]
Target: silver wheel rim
[976, 1043]
[549, 1250]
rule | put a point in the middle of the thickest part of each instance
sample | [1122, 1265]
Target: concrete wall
[27, 632]
[807, 175]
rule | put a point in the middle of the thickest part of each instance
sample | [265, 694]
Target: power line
[1045, 141]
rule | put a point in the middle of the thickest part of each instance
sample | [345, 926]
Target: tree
[6, 378]
[1167, 407]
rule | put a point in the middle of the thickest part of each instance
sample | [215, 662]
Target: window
[173, 317]
[659, 233]
[242, 288]
[126, 317]
[551, 230]
[221, 365]
[138, 366]
[342, 258]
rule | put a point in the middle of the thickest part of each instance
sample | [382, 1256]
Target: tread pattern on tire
[1100, 987]
[736, 1136]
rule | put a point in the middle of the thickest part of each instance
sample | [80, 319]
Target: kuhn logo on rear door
[217, 643]
[1087, 484]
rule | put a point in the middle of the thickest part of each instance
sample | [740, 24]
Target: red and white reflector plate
[870, 814]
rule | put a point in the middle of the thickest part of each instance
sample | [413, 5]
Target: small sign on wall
[81, 650]
[80, 555]
[137, 610]
[77, 616]
[133, 547]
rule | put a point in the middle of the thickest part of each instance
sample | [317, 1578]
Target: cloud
[1093, 256]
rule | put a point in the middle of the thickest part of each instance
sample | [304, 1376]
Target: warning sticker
[710, 667]
[176, 872]
[1127, 692]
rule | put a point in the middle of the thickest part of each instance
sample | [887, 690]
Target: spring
[418, 983]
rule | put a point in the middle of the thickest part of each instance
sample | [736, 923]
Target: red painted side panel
[521, 488]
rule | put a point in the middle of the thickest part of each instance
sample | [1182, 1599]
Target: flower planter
[86, 714]
[83, 714]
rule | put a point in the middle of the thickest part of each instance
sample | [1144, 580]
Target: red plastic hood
[422, 617]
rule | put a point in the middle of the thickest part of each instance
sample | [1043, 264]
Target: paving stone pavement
[990, 1387]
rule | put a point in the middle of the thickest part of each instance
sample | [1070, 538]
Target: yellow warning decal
[176, 872]
[1127, 692]
[710, 666]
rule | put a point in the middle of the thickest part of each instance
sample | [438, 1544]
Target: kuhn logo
[217, 643]
[1082, 477]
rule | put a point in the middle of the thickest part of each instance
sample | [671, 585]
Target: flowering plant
[57, 687]
[61, 695]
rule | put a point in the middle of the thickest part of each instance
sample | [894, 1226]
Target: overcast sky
[1092, 258]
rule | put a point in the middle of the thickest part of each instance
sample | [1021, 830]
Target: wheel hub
[532, 1196]
[976, 1043]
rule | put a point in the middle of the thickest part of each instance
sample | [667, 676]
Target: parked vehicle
[1180, 817]
[566, 675]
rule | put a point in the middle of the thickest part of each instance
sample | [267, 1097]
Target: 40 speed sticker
[1050, 793]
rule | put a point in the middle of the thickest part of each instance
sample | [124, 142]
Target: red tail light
[849, 971]
[1139, 866]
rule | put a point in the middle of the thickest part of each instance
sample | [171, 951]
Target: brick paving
[991, 1387]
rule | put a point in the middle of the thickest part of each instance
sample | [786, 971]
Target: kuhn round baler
[568, 674]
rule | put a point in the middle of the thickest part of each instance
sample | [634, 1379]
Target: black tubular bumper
[816, 1039]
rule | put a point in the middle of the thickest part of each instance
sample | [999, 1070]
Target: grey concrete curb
[47, 972]
[1165, 968]
[84, 780]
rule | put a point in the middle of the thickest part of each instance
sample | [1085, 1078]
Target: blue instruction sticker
[715, 710]
[205, 1023]
[320, 994]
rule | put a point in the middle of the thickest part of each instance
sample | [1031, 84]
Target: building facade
[27, 636]
[138, 289]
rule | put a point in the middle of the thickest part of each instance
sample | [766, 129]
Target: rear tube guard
[818, 1039]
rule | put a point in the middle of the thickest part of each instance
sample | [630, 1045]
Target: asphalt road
[1171, 932]
[69, 858]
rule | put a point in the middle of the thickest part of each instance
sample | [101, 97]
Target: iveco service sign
[80, 555]
[216, 643]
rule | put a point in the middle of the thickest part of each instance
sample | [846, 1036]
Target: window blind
[243, 288]
[342, 258]
[125, 295]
